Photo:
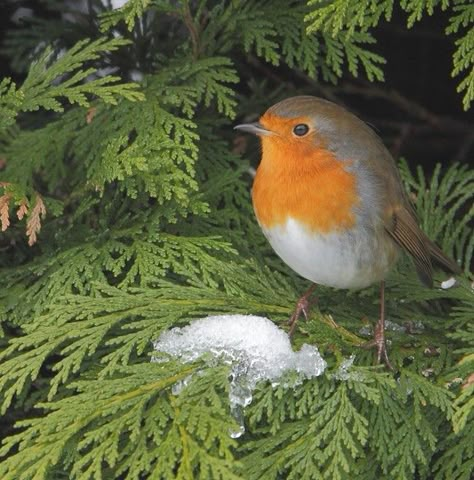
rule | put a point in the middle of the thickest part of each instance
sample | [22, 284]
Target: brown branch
[415, 109]
[193, 31]
[324, 90]
[327, 91]
[404, 133]
[267, 71]
[465, 148]
[420, 120]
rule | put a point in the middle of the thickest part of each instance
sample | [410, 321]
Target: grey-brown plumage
[320, 155]
[384, 199]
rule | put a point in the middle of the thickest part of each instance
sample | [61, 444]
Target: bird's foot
[380, 344]
[303, 306]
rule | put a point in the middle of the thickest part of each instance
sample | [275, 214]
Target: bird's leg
[379, 332]
[302, 307]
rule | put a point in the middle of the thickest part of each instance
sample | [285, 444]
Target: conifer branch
[149, 226]
[41, 88]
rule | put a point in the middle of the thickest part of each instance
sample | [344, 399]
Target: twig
[420, 121]
[439, 122]
[465, 148]
[327, 91]
[190, 25]
[404, 133]
[268, 72]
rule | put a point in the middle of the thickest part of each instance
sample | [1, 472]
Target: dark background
[416, 110]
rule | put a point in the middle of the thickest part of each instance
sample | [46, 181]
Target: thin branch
[439, 122]
[465, 148]
[193, 31]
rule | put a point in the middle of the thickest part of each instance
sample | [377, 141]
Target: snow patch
[118, 3]
[136, 75]
[343, 370]
[450, 282]
[255, 348]
[412, 327]
[20, 14]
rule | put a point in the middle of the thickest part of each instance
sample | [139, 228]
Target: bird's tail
[441, 259]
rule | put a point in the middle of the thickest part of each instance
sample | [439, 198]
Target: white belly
[341, 260]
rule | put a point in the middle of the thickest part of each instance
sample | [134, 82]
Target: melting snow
[117, 3]
[450, 282]
[254, 346]
[343, 371]
[412, 327]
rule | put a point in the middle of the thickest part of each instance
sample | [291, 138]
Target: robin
[329, 199]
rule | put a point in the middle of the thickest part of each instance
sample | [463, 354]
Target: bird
[329, 198]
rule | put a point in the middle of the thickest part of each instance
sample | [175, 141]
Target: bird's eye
[301, 129]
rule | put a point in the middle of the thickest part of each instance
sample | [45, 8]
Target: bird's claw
[302, 307]
[380, 344]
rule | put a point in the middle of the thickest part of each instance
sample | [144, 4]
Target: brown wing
[373, 161]
[399, 216]
[441, 259]
[406, 232]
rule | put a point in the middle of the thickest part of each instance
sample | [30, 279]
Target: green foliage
[449, 212]
[347, 21]
[177, 436]
[326, 425]
[12, 100]
[463, 57]
[40, 91]
[129, 13]
[125, 211]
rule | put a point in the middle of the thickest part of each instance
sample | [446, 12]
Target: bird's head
[303, 126]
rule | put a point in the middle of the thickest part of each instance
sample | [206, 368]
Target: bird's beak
[255, 128]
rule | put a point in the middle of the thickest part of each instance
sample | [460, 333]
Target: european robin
[329, 199]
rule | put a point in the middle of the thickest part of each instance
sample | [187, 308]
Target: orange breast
[297, 180]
